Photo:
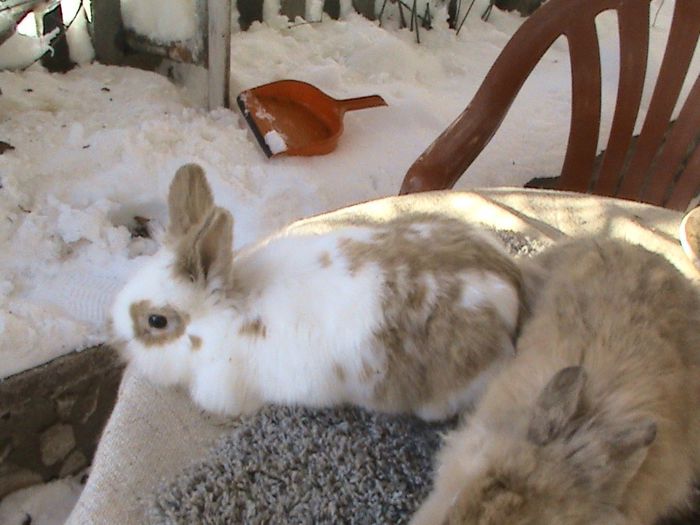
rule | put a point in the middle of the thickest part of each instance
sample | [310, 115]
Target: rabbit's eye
[157, 321]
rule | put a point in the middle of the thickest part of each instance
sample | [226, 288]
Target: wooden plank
[107, 31]
[58, 58]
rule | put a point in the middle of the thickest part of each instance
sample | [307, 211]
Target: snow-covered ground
[98, 146]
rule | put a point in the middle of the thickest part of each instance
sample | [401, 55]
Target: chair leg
[219, 52]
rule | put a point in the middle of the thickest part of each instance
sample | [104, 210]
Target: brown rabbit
[596, 420]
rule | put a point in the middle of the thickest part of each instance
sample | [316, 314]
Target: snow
[74, 14]
[25, 47]
[314, 10]
[98, 146]
[275, 141]
[47, 504]
[148, 17]
[20, 50]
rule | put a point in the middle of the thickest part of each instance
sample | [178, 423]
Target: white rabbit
[412, 313]
[597, 419]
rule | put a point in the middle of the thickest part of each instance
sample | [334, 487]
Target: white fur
[486, 288]
[314, 318]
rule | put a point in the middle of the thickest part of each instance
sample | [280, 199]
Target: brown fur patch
[254, 328]
[325, 260]
[196, 342]
[432, 344]
[463, 342]
[450, 247]
[367, 373]
[189, 199]
[149, 336]
[206, 251]
[339, 372]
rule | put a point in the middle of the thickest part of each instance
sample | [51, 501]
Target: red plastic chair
[662, 168]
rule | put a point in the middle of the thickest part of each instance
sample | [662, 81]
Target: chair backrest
[662, 168]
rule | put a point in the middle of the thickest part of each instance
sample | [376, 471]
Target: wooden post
[332, 8]
[219, 52]
[57, 60]
[107, 31]
[293, 8]
[365, 8]
[249, 11]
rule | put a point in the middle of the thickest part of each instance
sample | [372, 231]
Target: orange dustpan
[290, 117]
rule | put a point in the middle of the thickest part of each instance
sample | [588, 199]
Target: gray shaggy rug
[295, 465]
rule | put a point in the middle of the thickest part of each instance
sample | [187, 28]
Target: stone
[73, 463]
[64, 405]
[56, 443]
[5, 449]
[88, 403]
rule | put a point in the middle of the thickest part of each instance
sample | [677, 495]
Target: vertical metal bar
[219, 52]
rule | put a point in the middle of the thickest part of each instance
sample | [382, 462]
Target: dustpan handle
[351, 104]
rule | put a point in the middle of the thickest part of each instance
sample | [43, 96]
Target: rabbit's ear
[189, 199]
[629, 438]
[206, 253]
[607, 455]
[627, 447]
[556, 405]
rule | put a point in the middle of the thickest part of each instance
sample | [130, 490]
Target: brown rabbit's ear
[630, 438]
[627, 448]
[556, 405]
[189, 200]
[607, 455]
[206, 252]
